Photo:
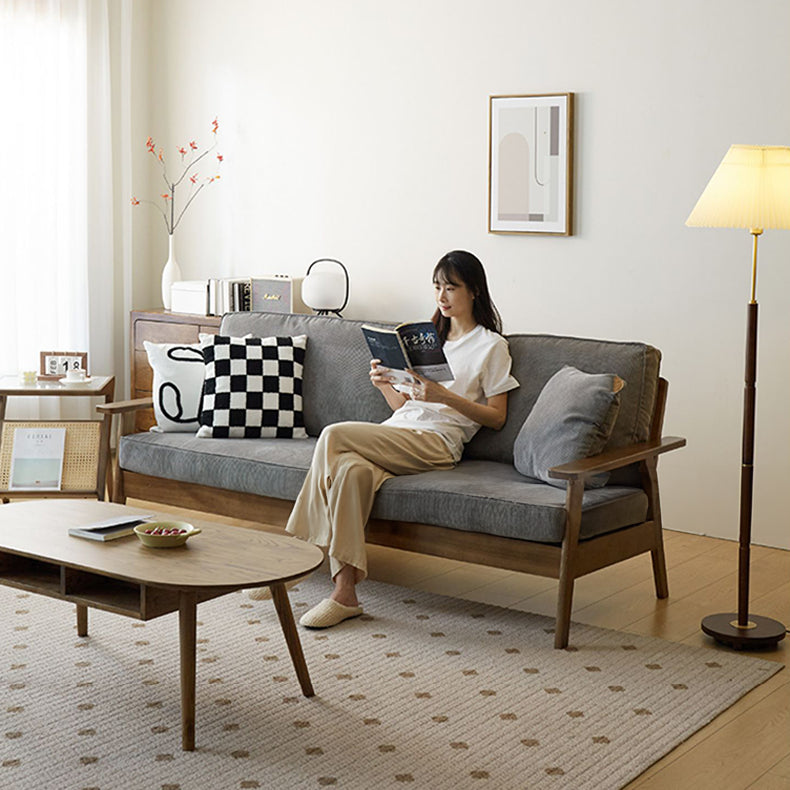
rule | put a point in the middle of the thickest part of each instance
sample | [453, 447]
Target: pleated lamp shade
[750, 189]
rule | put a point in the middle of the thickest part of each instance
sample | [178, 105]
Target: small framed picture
[55, 364]
[530, 160]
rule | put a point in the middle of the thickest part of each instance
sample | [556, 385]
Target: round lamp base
[760, 631]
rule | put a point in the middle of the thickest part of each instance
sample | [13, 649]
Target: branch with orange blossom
[197, 183]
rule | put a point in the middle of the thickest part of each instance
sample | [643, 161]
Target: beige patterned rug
[423, 692]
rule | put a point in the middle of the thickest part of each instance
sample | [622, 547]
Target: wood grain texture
[123, 576]
[187, 635]
[219, 557]
[285, 615]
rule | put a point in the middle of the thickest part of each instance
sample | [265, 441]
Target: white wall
[359, 130]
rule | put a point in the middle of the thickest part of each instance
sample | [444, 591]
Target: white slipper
[328, 613]
[265, 593]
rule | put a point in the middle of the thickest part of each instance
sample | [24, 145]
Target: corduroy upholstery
[484, 493]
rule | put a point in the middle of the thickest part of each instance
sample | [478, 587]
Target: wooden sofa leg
[125, 426]
[562, 627]
[657, 553]
[573, 521]
[660, 566]
[116, 494]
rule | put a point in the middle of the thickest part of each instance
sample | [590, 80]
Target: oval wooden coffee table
[122, 576]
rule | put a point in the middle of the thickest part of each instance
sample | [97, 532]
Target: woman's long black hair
[459, 267]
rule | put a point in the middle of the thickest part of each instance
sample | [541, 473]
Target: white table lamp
[326, 291]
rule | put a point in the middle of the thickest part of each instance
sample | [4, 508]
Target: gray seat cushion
[476, 496]
[270, 467]
[489, 497]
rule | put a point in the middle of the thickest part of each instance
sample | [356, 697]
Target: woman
[430, 424]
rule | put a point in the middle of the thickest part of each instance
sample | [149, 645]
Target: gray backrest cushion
[536, 358]
[337, 387]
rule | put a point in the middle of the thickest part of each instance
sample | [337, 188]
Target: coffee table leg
[283, 607]
[187, 629]
[82, 620]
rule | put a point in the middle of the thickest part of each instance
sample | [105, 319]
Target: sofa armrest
[614, 459]
[125, 406]
[125, 424]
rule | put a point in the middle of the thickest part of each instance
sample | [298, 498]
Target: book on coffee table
[110, 529]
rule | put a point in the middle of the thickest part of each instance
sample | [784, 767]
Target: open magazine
[413, 346]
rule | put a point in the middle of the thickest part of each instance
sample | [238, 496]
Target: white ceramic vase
[170, 274]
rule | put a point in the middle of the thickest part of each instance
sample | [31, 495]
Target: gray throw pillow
[572, 418]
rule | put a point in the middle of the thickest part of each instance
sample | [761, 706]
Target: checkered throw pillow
[253, 387]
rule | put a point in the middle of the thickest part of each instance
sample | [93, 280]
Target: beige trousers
[350, 463]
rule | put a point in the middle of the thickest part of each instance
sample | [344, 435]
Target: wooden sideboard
[160, 326]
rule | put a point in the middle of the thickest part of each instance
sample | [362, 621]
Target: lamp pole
[742, 630]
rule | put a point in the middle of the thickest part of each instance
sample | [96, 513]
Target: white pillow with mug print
[178, 385]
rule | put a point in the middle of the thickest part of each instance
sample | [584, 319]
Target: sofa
[484, 510]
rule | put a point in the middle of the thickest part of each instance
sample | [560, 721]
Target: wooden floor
[748, 746]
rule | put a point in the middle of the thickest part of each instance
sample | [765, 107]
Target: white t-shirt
[481, 362]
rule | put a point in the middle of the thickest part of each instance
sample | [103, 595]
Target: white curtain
[56, 185]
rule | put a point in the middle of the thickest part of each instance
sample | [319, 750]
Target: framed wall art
[530, 164]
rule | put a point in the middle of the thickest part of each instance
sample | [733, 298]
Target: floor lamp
[750, 189]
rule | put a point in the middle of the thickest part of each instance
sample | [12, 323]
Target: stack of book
[228, 295]
[277, 293]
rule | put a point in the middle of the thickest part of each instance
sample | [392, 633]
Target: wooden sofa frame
[565, 562]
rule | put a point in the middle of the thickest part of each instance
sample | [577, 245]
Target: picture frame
[54, 364]
[530, 164]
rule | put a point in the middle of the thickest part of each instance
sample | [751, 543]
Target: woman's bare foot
[345, 591]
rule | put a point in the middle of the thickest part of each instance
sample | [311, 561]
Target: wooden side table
[86, 471]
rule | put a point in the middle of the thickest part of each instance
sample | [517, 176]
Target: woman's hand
[427, 390]
[491, 414]
[379, 378]
[379, 375]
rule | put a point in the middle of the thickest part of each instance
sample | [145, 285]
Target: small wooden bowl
[165, 540]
